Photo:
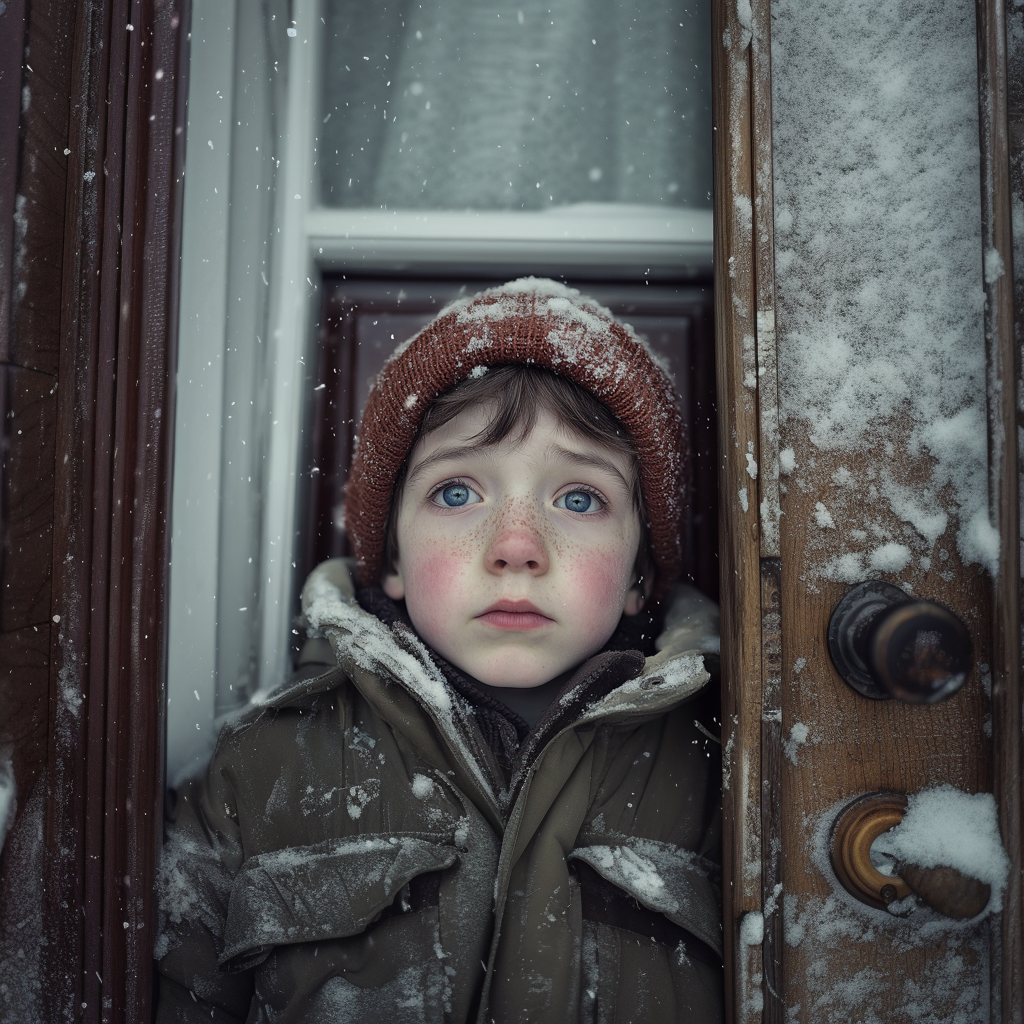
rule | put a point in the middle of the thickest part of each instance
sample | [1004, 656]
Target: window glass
[525, 105]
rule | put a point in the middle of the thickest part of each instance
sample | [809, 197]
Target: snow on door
[859, 279]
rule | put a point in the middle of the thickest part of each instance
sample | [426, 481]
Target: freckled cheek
[435, 581]
[599, 580]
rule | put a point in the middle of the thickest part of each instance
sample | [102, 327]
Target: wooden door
[838, 374]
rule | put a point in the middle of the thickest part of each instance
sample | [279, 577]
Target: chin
[516, 684]
[523, 677]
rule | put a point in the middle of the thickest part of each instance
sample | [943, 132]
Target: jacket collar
[614, 686]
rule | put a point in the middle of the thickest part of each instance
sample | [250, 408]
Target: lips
[514, 615]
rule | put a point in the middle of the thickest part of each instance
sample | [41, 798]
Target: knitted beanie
[546, 324]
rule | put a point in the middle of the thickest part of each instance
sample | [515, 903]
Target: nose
[517, 547]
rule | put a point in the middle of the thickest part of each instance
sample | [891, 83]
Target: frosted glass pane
[463, 104]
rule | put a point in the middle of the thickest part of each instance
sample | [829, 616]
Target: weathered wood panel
[739, 537]
[35, 47]
[12, 43]
[1002, 343]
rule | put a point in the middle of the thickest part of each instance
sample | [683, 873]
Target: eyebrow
[592, 461]
[455, 451]
[446, 454]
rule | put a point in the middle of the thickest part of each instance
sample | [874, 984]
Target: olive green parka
[356, 853]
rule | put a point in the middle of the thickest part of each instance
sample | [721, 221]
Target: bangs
[516, 395]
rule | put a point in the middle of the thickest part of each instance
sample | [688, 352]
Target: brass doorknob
[853, 833]
[855, 830]
[886, 644]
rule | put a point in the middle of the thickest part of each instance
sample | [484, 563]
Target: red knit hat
[546, 324]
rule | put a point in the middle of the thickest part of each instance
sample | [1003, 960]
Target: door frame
[104, 76]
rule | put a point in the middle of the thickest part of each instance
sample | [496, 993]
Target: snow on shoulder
[361, 641]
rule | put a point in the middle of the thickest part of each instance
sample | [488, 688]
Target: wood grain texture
[764, 277]
[12, 44]
[30, 309]
[24, 697]
[39, 226]
[704, 454]
[110, 550]
[74, 822]
[773, 842]
[1014, 916]
[851, 745]
[738, 437]
[28, 407]
[1003, 373]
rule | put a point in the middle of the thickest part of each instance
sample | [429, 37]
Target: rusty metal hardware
[885, 645]
[858, 825]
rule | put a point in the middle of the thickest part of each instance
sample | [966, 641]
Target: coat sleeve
[201, 855]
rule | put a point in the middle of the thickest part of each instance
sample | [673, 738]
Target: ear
[636, 596]
[393, 584]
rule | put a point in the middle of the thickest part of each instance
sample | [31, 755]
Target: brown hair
[518, 393]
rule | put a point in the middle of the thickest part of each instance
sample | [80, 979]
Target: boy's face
[515, 560]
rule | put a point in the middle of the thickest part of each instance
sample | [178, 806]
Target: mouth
[514, 615]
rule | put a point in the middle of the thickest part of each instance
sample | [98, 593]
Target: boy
[480, 802]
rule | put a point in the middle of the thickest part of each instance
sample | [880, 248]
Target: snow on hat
[546, 324]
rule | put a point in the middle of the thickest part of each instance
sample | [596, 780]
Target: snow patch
[946, 827]
[890, 557]
[848, 568]
[798, 735]
[979, 540]
[994, 268]
[879, 279]
[358, 797]
[422, 787]
[752, 928]
[360, 638]
[823, 517]
[641, 872]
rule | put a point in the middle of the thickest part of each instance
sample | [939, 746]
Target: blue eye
[455, 496]
[579, 501]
